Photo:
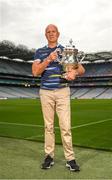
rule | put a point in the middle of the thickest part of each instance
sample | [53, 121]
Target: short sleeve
[37, 55]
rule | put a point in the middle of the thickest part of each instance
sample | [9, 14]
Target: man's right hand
[38, 67]
[53, 56]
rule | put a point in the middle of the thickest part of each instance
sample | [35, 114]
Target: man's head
[52, 33]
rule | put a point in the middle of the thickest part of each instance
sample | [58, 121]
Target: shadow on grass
[21, 159]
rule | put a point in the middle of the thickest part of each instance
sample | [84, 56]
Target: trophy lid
[71, 42]
[70, 45]
[70, 48]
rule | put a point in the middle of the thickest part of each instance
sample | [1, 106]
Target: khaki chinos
[59, 100]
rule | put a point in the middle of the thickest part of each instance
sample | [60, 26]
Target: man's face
[52, 34]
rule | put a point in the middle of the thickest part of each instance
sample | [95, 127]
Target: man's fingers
[53, 55]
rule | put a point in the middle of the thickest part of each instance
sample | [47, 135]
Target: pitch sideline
[74, 127]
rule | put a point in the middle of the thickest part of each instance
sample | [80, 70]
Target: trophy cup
[69, 58]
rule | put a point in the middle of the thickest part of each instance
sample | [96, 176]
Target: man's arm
[80, 70]
[39, 67]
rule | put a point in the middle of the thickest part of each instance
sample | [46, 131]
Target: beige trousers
[57, 100]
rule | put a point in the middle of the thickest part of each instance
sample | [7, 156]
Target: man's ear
[58, 34]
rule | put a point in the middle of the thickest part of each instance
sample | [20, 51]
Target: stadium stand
[16, 80]
[99, 69]
[14, 67]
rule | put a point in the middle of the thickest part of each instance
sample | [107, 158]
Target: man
[55, 96]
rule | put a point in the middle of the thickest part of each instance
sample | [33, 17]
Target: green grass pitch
[91, 121]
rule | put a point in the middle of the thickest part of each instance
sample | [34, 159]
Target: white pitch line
[89, 124]
[75, 127]
[25, 125]
[34, 125]
[20, 124]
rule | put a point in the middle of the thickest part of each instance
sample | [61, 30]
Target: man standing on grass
[55, 97]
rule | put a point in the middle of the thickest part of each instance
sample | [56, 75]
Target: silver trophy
[70, 58]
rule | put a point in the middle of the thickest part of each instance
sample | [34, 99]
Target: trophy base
[64, 75]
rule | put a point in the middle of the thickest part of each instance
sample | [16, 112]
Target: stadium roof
[92, 57]
[89, 57]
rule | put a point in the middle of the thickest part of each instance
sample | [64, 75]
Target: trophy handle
[80, 56]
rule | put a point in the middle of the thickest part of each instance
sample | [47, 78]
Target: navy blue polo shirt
[51, 77]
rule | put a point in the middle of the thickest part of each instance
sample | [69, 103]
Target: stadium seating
[18, 92]
[16, 81]
[98, 69]
[15, 67]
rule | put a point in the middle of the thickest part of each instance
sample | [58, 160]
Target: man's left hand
[71, 75]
